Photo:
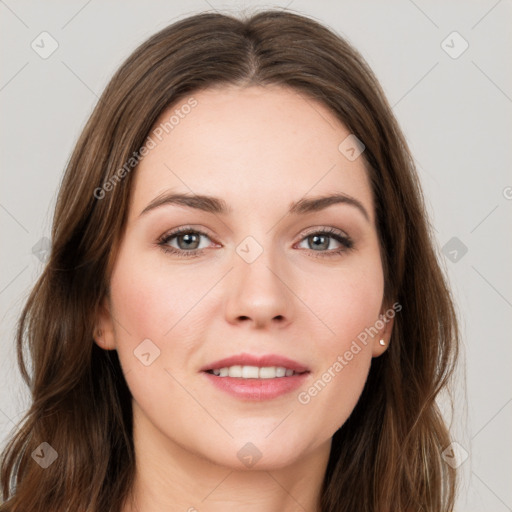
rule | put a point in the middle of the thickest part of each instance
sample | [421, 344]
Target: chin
[256, 454]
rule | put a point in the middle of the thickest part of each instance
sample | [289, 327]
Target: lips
[261, 361]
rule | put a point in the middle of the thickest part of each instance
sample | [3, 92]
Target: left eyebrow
[315, 204]
[216, 205]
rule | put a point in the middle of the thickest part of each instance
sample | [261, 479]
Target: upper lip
[256, 360]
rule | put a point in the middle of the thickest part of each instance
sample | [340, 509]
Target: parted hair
[387, 456]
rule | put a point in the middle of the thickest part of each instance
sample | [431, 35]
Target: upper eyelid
[329, 229]
[185, 229]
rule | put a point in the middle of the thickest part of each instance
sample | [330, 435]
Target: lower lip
[257, 389]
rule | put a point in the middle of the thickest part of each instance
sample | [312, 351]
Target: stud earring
[382, 342]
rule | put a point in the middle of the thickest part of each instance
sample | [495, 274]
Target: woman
[243, 306]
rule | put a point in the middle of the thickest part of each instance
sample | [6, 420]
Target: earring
[382, 342]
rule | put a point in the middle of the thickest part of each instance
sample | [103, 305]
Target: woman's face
[257, 277]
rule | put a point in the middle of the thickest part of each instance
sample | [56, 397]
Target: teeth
[250, 372]
[253, 372]
[235, 371]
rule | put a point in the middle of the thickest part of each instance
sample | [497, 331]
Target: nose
[258, 294]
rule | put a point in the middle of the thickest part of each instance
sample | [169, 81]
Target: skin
[259, 149]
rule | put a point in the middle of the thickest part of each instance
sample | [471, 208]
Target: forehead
[262, 145]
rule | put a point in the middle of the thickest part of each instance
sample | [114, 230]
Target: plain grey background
[454, 105]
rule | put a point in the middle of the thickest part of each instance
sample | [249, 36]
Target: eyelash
[344, 240]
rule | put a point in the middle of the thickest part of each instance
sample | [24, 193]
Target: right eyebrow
[200, 202]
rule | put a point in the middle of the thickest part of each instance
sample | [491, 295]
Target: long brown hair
[387, 455]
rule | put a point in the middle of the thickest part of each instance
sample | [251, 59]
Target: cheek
[150, 302]
[347, 301]
[356, 307]
[154, 303]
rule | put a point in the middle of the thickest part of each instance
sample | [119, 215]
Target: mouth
[250, 377]
[252, 366]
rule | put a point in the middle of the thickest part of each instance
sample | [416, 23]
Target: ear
[384, 325]
[103, 334]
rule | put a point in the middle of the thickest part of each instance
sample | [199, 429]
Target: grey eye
[320, 242]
